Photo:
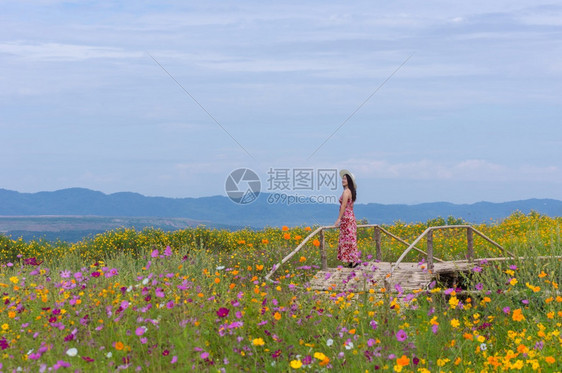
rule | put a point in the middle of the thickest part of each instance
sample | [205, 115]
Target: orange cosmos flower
[403, 361]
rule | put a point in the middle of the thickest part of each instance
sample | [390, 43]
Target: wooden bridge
[392, 276]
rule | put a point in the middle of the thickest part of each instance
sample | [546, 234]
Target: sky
[423, 101]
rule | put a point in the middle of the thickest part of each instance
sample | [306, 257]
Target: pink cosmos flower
[223, 312]
[140, 330]
[401, 335]
[168, 251]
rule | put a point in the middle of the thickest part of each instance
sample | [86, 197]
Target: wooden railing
[377, 237]
[428, 233]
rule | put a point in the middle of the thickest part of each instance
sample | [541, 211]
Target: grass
[155, 301]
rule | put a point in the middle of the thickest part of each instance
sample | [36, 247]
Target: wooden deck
[375, 275]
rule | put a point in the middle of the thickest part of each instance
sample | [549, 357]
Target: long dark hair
[351, 187]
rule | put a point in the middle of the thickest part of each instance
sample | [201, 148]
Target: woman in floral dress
[347, 245]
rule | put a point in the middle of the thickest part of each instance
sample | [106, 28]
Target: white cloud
[469, 170]
[64, 52]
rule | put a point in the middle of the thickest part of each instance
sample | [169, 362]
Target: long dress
[347, 244]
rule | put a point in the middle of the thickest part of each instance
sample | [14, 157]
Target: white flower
[129, 289]
[72, 351]
[109, 355]
[30, 352]
[145, 281]
[329, 342]
[483, 347]
[349, 346]
[220, 268]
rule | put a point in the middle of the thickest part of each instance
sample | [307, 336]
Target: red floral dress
[347, 245]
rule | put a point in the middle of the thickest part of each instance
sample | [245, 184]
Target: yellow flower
[296, 364]
[455, 323]
[14, 279]
[258, 342]
[319, 355]
[513, 281]
[453, 302]
[277, 316]
[5, 326]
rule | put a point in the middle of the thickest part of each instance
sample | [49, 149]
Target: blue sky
[474, 114]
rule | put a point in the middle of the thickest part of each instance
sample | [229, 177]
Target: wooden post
[377, 238]
[470, 244]
[430, 250]
[323, 257]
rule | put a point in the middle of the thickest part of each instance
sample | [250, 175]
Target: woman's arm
[345, 198]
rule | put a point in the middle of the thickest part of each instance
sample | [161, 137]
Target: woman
[347, 245]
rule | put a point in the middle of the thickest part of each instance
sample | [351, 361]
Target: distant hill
[220, 211]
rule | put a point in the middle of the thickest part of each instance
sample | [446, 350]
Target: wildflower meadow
[196, 299]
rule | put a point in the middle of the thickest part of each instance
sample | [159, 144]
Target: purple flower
[61, 364]
[401, 335]
[96, 274]
[168, 251]
[140, 330]
[32, 262]
[513, 267]
[4, 344]
[525, 301]
[506, 310]
[159, 293]
[174, 359]
[479, 286]
[434, 328]
[373, 324]
[204, 355]
[223, 312]
[371, 342]
[154, 253]
[477, 269]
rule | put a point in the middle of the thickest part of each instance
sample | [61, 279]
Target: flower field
[196, 299]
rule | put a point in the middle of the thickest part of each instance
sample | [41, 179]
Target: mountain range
[221, 211]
